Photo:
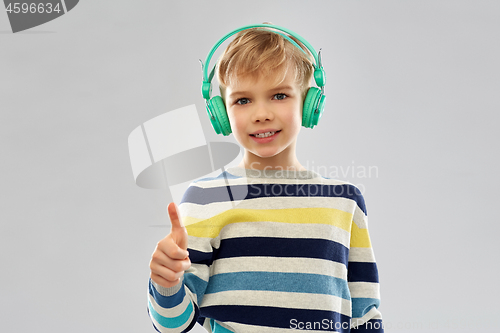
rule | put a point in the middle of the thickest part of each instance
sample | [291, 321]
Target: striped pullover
[272, 251]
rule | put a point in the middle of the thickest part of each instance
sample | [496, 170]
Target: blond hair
[260, 51]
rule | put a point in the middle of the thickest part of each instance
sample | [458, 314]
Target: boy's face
[254, 105]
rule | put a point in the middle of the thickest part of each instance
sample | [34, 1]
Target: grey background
[413, 89]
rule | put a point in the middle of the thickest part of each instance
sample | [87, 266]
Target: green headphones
[314, 103]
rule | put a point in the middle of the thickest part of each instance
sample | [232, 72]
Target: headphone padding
[219, 109]
[308, 109]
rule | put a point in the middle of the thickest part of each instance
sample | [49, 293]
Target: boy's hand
[171, 258]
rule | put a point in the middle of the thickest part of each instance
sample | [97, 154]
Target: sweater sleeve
[176, 309]
[362, 275]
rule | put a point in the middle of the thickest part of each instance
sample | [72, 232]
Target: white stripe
[279, 299]
[360, 218]
[205, 211]
[167, 291]
[202, 244]
[280, 265]
[273, 202]
[192, 295]
[211, 183]
[268, 202]
[364, 290]
[171, 312]
[200, 270]
[361, 254]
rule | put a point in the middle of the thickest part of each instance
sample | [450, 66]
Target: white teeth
[264, 135]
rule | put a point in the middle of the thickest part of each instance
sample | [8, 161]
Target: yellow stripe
[211, 227]
[360, 237]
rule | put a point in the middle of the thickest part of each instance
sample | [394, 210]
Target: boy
[272, 246]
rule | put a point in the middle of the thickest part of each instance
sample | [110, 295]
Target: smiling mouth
[265, 135]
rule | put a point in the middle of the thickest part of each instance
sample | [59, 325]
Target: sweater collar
[272, 173]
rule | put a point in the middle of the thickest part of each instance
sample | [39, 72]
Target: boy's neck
[271, 173]
[260, 166]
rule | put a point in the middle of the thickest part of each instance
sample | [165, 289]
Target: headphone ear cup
[316, 116]
[308, 108]
[213, 119]
[310, 118]
[221, 123]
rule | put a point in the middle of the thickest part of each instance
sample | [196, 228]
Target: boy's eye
[280, 96]
[242, 101]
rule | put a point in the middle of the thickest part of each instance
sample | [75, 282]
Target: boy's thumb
[175, 217]
[179, 233]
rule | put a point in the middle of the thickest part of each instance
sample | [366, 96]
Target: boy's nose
[262, 113]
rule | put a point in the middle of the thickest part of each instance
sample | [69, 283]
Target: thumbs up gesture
[171, 258]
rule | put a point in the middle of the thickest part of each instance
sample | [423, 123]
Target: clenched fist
[171, 258]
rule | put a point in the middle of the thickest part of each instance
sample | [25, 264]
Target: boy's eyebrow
[234, 93]
[284, 87]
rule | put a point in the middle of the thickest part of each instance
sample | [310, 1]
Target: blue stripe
[196, 285]
[173, 322]
[360, 306]
[282, 247]
[166, 301]
[149, 314]
[372, 326]
[199, 257]
[193, 322]
[284, 318]
[277, 281]
[362, 272]
[204, 196]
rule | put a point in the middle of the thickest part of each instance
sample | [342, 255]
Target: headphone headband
[317, 58]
